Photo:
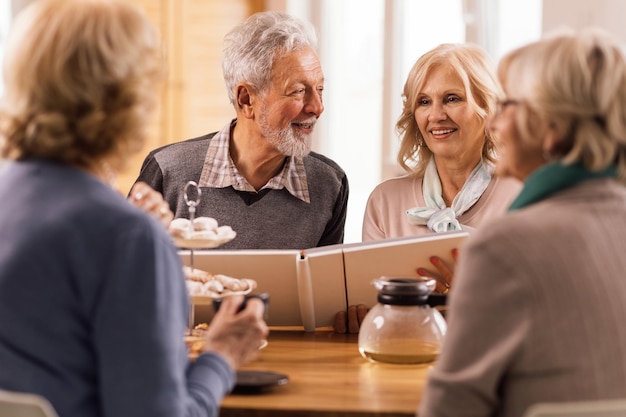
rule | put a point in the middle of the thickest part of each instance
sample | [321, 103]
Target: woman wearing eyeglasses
[536, 312]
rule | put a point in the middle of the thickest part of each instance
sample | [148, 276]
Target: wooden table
[327, 377]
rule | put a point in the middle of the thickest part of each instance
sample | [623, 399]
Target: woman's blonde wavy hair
[477, 72]
[81, 82]
[575, 83]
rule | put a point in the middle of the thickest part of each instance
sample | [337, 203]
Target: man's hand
[152, 202]
[350, 321]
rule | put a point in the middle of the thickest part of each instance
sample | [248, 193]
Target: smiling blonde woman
[445, 149]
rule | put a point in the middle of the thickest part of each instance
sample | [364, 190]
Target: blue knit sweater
[93, 304]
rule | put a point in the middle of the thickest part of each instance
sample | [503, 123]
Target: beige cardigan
[538, 309]
[385, 211]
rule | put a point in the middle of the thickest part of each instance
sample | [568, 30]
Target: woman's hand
[444, 274]
[237, 335]
[152, 202]
[350, 321]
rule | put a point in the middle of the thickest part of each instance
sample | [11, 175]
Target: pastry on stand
[204, 233]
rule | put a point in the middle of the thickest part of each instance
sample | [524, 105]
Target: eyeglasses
[503, 104]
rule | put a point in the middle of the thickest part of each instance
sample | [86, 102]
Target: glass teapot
[403, 327]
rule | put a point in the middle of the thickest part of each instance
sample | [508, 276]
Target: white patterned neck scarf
[436, 215]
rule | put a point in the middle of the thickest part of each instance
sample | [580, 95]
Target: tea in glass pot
[403, 328]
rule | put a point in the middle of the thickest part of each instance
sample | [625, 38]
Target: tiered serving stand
[193, 194]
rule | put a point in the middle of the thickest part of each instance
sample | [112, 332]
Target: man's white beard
[286, 141]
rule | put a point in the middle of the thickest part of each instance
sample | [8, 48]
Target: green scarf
[555, 177]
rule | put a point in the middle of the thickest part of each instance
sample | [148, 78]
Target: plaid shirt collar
[219, 171]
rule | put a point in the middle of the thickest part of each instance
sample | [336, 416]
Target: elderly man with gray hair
[258, 174]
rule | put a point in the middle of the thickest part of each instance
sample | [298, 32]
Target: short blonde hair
[575, 82]
[477, 72]
[80, 81]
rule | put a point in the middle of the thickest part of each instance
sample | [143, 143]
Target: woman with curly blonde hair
[448, 155]
[80, 104]
[93, 302]
[446, 150]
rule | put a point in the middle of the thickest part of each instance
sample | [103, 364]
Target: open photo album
[307, 287]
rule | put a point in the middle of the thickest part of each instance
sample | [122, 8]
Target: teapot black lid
[407, 291]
